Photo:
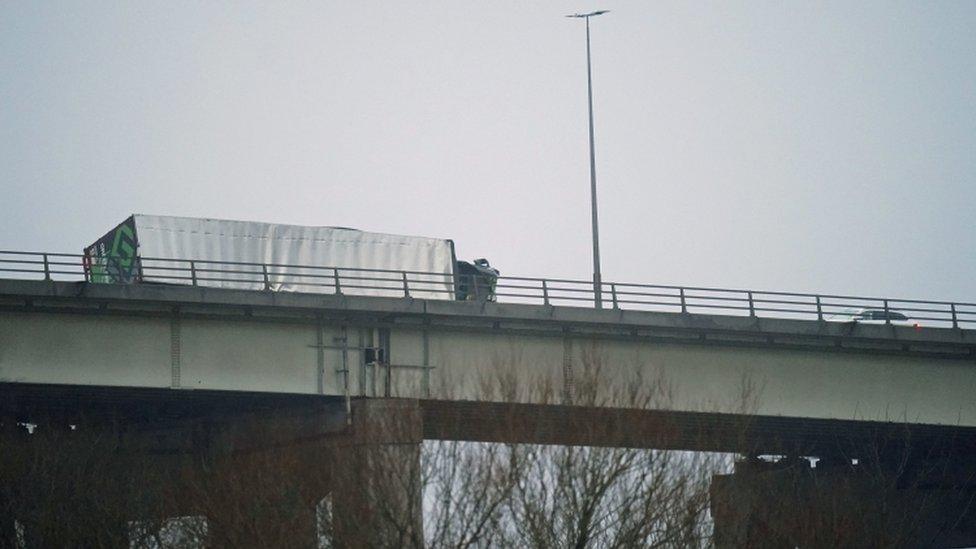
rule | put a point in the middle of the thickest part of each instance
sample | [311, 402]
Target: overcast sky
[821, 146]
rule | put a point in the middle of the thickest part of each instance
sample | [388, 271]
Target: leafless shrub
[536, 495]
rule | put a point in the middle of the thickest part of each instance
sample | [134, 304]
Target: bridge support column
[260, 479]
[10, 434]
[377, 499]
[63, 485]
[838, 504]
[264, 518]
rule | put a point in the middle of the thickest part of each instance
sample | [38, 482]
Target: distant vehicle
[868, 315]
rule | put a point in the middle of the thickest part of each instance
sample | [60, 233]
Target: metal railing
[509, 289]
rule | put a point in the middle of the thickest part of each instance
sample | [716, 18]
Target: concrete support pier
[377, 498]
[838, 503]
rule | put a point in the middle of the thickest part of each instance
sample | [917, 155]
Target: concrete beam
[694, 431]
[168, 422]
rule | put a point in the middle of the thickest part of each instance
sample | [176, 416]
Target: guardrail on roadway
[508, 289]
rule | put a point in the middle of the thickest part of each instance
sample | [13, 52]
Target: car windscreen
[881, 314]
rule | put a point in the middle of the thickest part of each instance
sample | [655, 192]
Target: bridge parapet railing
[510, 289]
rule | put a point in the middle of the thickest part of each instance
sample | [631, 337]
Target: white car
[869, 315]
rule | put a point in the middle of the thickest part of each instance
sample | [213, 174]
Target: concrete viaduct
[164, 360]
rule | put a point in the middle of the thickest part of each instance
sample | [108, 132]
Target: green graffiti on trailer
[127, 255]
[112, 258]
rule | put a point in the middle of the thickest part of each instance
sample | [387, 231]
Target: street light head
[586, 15]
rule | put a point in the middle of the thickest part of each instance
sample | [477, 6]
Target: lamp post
[597, 282]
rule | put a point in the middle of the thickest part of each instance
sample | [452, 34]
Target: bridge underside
[168, 432]
[166, 410]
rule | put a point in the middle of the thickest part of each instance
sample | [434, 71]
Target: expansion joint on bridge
[569, 382]
[175, 349]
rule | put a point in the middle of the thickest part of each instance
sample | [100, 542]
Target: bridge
[666, 367]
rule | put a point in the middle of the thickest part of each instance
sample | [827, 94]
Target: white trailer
[287, 258]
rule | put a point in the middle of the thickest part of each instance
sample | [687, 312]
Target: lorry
[219, 253]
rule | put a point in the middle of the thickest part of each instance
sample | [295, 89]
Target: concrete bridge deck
[799, 380]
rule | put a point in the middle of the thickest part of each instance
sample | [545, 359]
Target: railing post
[819, 309]
[335, 277]
[406, 287]
[752, 306]
[267, 280]
[613, 294]
[955, 320]
[47, 269]
[887, 314]
[684, 304]
[193, 272]
[545, 292]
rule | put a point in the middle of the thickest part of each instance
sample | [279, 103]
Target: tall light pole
[597, 282]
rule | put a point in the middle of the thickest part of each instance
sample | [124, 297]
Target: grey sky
[823, 146]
